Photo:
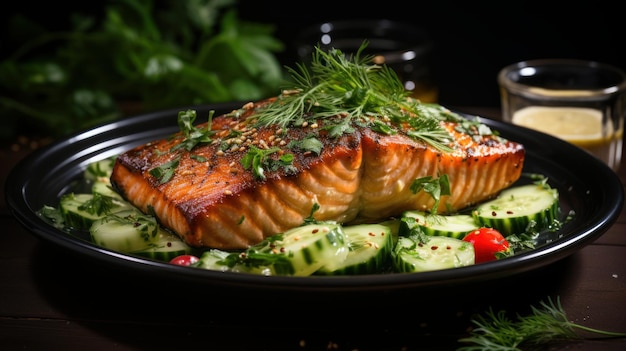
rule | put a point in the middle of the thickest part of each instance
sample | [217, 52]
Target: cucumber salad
[414, 242]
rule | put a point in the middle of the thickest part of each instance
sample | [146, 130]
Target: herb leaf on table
[547, 323]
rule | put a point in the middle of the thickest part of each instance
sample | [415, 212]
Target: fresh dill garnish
[495, 331]
[343, 90]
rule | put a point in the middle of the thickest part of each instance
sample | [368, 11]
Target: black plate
[586, 186]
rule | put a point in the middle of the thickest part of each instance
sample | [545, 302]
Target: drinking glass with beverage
[582, 102]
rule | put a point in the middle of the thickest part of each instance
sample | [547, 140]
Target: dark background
[472, 39]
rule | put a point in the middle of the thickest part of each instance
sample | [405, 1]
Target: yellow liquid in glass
[580, 126]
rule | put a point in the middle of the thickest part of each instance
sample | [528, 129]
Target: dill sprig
[495, 331]
[343, 88]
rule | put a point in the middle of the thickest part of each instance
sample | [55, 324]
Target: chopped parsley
[193, 135]
[98, 204]
[433, 186]
[258, 160]
[165, 172]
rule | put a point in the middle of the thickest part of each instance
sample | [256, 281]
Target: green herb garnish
[340, 90]
[433, 186]
[54, 215]
[495, 331]
[193, 135]
[260, 255]
[198, 158]
[311, 219]
[308, 144]
[98, 204]
[165, 172]
[416, 232]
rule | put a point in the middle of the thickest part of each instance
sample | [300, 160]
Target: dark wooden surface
[51, 299]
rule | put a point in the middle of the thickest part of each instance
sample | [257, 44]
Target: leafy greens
[139, 56]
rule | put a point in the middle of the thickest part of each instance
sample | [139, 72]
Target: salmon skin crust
[211, 199]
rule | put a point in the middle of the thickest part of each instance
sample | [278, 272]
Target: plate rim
[17, 186]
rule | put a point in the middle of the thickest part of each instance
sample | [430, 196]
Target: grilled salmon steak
[210, 198]
[345, 143]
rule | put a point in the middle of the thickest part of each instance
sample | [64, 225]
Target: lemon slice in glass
[580, 126]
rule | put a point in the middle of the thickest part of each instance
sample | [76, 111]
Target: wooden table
[54, 299]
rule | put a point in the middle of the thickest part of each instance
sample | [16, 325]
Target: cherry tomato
[184, 260]
[487, 242]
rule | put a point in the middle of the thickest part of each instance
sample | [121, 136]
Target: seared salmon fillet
[211, 197]
[344, 143]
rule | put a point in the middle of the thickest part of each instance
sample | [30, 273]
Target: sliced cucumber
[100, 170]
[79, 211]
[104, 188]
[521, 209]
[166, 247]
[300, 251]
[224, 261]
[370, 247]
[454, 226]
[439, 252]
[213, 259]
[126, 231]
[74, 215]
[394, 225]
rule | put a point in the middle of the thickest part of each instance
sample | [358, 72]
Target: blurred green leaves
[151, 54]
